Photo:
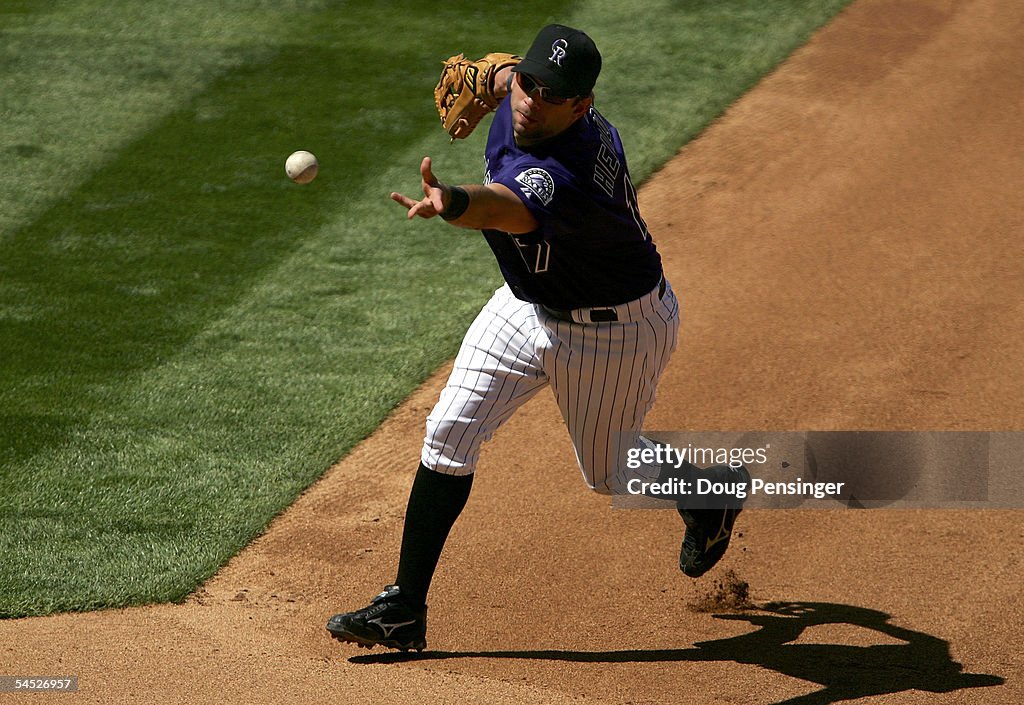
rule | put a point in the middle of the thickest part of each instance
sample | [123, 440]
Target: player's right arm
[491, 207]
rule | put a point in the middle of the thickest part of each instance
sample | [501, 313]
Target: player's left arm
[492, 206]
[502, 83]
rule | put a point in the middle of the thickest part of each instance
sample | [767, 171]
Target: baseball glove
[465, 91]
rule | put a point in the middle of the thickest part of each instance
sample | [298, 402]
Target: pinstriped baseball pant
[603, 376]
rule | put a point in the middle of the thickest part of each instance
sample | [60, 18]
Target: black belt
[597, 315]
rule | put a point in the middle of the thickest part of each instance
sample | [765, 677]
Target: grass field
[187, 338]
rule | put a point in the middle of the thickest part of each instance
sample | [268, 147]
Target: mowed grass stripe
[81, 79]
[194, 456]
[211, 393]
[129, 266]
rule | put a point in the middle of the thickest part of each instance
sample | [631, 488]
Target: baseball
[301, 167]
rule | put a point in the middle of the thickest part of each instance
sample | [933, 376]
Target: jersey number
[634, 208]
[537, 255]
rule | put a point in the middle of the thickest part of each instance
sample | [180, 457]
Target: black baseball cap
[564, 59]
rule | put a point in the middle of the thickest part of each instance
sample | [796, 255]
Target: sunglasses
[530, 86]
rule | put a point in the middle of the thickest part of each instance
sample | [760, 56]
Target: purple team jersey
[592, 247]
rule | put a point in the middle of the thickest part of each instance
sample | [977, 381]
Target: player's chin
[525, 134]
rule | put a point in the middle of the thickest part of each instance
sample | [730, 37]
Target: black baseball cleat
[388, 620]
[709, 528]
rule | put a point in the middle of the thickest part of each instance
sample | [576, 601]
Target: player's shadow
[920, 662]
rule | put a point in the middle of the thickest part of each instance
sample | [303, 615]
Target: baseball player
[585, 310]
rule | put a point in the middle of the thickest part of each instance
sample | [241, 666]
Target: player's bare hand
[434, 195]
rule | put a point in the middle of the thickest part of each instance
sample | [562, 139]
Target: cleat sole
[348, 638]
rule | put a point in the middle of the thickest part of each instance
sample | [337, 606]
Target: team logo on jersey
[558, 48]
[538, 183]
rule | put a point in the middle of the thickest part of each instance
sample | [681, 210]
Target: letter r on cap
[558, 48]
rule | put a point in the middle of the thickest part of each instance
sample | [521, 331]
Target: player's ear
[583, 104]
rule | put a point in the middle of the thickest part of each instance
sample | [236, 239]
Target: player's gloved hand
[435, 195]
[466, 91]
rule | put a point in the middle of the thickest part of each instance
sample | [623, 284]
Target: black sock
[435, 503]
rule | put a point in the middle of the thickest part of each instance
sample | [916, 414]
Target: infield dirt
[847, 244]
